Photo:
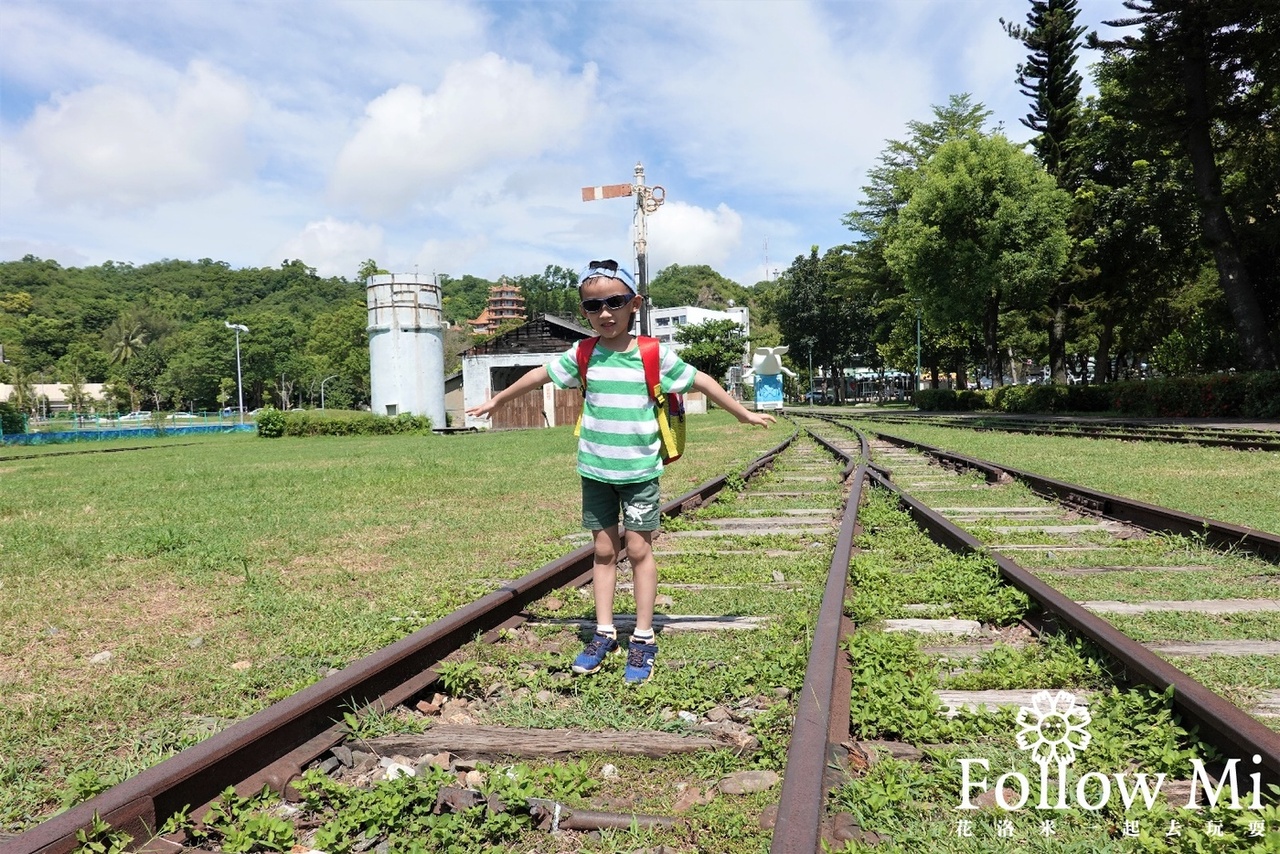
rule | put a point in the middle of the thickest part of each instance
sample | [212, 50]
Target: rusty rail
[1139, 513]
[1234, 438]
[1225, 724]
[273, 746]
[822, 709]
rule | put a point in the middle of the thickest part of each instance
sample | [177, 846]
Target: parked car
[818, 398]
[183, 416]
[136, 416]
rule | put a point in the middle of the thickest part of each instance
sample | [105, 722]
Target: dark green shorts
[638, 502]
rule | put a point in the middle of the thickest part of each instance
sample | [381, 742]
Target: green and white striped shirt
[619, 440]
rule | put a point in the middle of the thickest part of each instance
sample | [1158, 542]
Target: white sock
[607, 630]
[643, 635]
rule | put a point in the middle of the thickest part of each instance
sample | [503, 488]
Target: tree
[198, 358]
[1049, 78]
[463, 299]
[984, 231]
[553, 291]
[143, 376]
[818, 314]
[23, 395]
[17, 302]
[713, 346]
[889, 309]
[126, 337]
[75, 395]
[1139, 242]
[697, 285]
[226, 390]
[339, 338]
[369, 268]
[44, 339]
[84, 361]
[1200, 71]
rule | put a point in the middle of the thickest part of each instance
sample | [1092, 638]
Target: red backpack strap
[650, 356]
[585, 348]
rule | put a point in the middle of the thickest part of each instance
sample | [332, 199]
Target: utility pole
[648, 200]
[238, 327]
[919, 308]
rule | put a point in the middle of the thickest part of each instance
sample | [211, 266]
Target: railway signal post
[648, 200]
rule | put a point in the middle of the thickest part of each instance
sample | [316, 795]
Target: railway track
[497, 670]
[1239, 438]
[756, 619]
[1089, 564]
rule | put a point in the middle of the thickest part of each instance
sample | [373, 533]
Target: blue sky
[455, 137]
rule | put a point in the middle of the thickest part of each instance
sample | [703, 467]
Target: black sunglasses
[613, 303]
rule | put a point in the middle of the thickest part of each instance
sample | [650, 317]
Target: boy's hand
[759, 419]
[481, 411]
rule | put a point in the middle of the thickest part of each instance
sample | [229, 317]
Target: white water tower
[406, 346]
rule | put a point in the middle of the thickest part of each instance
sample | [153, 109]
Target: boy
[619, 455]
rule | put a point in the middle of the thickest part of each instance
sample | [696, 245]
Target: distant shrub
[935, 399]
[1262, 395]
[1254, 395]
[309, 422]
[1088, 398]
[271, 423]
[950, 400]
[11, 420]
[1032, 398]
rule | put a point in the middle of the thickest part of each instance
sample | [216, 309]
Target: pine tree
[1050, 80]
[1202, 73]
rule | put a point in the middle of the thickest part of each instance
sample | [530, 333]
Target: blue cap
[610, 270]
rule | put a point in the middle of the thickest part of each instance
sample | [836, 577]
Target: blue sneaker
[592, 657]
[640, 656]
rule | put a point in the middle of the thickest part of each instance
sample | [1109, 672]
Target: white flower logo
[1053, 727]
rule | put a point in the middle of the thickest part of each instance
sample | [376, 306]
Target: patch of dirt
[361, 551]
[94, 621]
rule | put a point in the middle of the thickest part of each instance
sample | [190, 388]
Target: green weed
[100, 838]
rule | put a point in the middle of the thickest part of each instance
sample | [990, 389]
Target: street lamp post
[811, 373]
[238, 327]
[322, 382]
[918, 310]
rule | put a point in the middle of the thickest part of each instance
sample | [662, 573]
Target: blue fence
[122, 433]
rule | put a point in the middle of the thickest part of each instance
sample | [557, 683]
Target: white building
[54, 395]
[665, 322]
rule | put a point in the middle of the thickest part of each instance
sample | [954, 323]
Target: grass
[227, 572]
[913, 805]
[1223, 484]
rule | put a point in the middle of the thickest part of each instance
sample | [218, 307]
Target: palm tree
[23, 395]
[126, 337]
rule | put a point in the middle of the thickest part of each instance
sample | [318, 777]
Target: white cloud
[121, 148]
[334, 248]
[485, 111]
[455, 256]
[681, 233]
[769, 97]
[66, 255]
[464, 130]
[47, 49]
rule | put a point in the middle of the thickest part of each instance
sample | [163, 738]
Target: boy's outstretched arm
[536, 378]
[720, 397]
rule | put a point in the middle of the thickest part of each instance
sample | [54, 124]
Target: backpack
[670, 407]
